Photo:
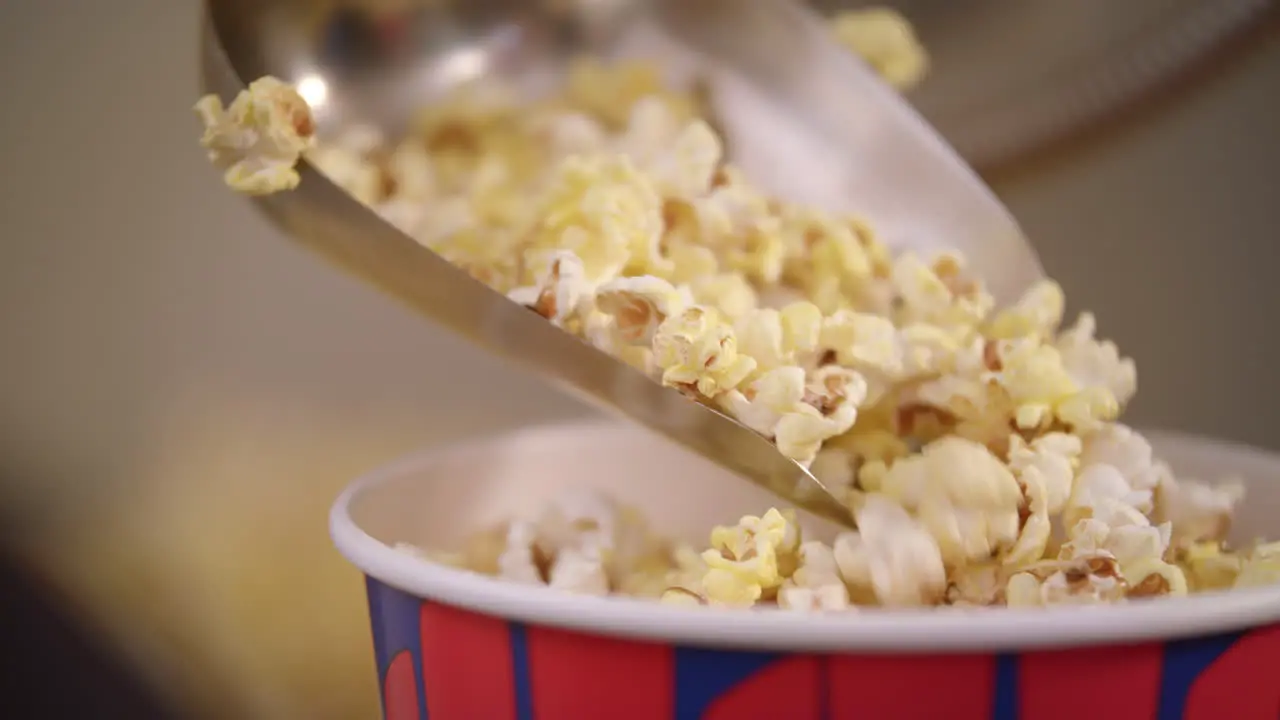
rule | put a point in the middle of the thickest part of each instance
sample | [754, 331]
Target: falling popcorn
[886, 41]
[259, 138]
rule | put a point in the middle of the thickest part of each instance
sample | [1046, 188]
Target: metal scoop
[377, 61]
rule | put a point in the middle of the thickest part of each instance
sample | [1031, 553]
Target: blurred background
[183, 393]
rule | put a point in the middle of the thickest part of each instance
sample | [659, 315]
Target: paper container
[452, 645]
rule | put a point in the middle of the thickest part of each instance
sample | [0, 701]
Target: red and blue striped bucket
[452, 645]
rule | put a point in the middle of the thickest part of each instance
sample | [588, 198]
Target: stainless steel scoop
[377, 61]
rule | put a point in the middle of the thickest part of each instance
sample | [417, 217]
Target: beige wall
[188, 386]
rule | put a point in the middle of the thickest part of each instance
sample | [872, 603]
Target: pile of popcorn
[977, 448]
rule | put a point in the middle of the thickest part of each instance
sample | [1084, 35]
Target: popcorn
[563, 292]
[606, 213]
[891, 558]
[687, 570]
[576, 518]
[816, 584]
[729, 293]
[967, 499]
[580, 570]
[977, 585]
[348, 160]
[726, 588]
[760, 252]
[1128, 452]
[870, 444]
[1127, 537]
[1051, 458]
[679, 596]
[1096, 364]
[829, 408]
[801, 327]
[800, 433]
[1198, 512]
[750, 559]
[1036, 314]
[695, 265]
[1103, 490]
[646, 578]
[651, 130]
[572, 133]
[1261, 567]
[1086, 582]
[977, 448]
[1043, 390]
[519, 561]
[259, 138]
[886, 41]
[638, 306]
[817, 567]
[834, 468]
[938, 293]
[638, 560]
[410, 172]
[697, 351]
[1153, 577]
[1208, 566]
[483, 550]
[832, 596]
[767, 399]
[738, 220]
[889, 356]
[610, 92]
[826, 255]
[1033, 538]
[688, 168]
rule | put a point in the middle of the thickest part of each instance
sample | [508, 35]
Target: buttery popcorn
[977, 447]
[259, 138]
[884, 39]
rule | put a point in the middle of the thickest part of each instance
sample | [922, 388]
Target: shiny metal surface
[379, 61]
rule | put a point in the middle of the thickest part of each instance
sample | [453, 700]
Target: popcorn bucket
[453, 645]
